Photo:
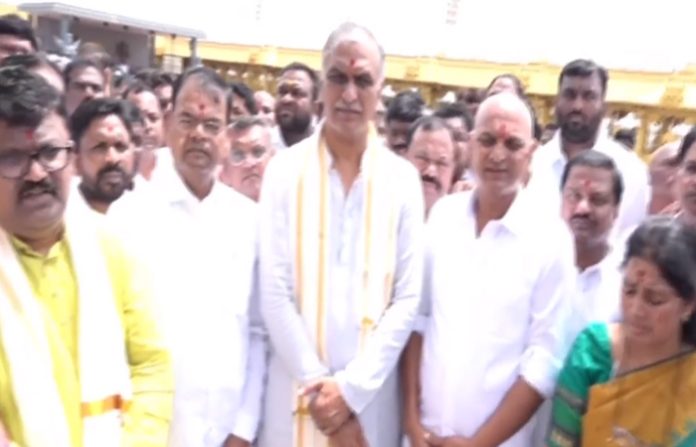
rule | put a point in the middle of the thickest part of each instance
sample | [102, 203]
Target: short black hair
[299, 66]
[456, 110]
[685, 145]
[26, 99]
[428, 123]
[247, 94]
[14, 25]
[584, 68]
[671, 246]
[79, 64]
[31, 61]
[136, 87]
[208, 78]
[97, 108]
[595, 159]
[407, 107]
[519, 88]
[155, 78]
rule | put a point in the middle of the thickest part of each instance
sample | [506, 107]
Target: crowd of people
[185, 262]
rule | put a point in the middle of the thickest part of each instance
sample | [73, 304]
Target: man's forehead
[505, 125]
[292, 77]
[252, 135]
[354, 53]
[590, 177]
[590, 82]
[52, 127]
[439, 139]
[197, 98]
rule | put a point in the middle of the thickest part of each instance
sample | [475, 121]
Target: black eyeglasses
[16, 163]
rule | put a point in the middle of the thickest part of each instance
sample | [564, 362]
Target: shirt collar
[517, 218]
[24, 250]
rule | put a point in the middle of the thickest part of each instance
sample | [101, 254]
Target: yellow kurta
[53, 281]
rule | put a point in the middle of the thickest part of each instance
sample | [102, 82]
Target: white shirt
[496, 307]
[368, 380]
[206, 287]
[547, 169]
[598, 293]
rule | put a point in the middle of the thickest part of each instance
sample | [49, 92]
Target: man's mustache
[109, 169]
[30, 188]
[432, 180]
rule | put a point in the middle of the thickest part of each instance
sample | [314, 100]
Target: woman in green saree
[634, 383]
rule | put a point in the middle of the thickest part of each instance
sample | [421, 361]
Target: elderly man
[102, 130]
[81, 358]
[250, 151]
[208, 288]
[580, 108]
[432, 151]
[339, 307]
[492, 319]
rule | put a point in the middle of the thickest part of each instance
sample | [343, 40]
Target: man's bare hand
[327, 406]
[234, 441]
[349, 434]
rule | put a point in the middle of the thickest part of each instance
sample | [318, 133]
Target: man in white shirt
[495, 298]
[102, 130]
[592, 188]
[250, 152]
[339, 307]
[295, 106]
[205, 237]
[580, 108]
[145, 99]
[431, 149]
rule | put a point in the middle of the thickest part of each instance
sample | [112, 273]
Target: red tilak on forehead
[110, 128]
[29, 135]
[352, 63]
[503, 131]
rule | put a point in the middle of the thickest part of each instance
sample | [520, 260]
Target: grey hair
[341, 33]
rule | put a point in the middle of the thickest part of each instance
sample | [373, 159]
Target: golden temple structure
[658, 101]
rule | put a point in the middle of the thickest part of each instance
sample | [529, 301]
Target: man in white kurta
[339, 196]
[580, 107]
[592, 190]
[496, 288]
[201, 237]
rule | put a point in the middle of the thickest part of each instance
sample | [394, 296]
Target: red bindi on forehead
[503, 132]
[29, 135]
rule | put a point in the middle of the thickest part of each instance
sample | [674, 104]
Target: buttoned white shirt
[205, 256]
[495, 309]
[547, 169]
[598, 292]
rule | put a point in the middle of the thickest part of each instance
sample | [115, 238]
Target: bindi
[503, 132]
[29, 135]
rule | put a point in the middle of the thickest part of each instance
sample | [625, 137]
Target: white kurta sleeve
[288, 335]
[249, 415]
[550, 310]
[364, 375]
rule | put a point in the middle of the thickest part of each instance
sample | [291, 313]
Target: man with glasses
[203, 234]
[250, 152]
[431, 150]
[81, 358]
